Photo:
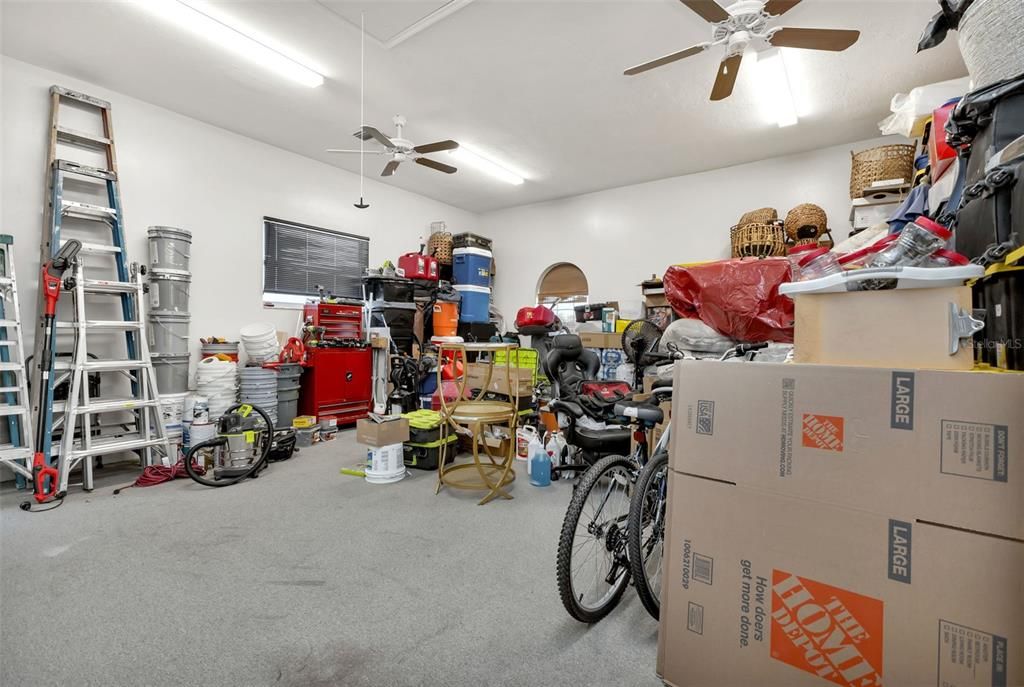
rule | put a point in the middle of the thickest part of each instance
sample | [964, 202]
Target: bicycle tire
[648, 479]
[565, 545]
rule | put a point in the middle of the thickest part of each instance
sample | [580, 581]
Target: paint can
[168, 291]
[168, 333]
[169, 248]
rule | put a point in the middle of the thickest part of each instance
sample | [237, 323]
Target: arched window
[562, 287]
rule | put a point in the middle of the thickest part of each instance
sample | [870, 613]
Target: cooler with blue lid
[471, 267]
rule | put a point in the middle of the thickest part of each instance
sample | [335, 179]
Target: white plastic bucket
[171, 372]
[199, 432]
[385, 464]
[172, 409]
[169, 248]
[168, 291]
[168, 333]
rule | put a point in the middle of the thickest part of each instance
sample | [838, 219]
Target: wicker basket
[759, 216]
[877, 164]
[758, 240]
[806, 221]
[991, 37]
[440, 246]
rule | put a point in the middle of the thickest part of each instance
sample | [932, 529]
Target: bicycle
[624, 528]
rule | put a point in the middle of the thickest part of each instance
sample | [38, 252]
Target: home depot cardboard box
[764, 589]
[895, 328]
[940, 446]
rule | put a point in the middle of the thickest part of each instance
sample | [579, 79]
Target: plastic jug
[540, 468]
[525, 437]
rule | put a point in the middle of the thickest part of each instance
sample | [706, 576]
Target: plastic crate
[523, 358]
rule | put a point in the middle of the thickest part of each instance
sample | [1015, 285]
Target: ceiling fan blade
[434, 164]
[367, 152]
[709, 9]
[726, 78]
[436, 147]
[815, 39]
[390, 168]
[777, 7]
[671, 57]
[368, 132]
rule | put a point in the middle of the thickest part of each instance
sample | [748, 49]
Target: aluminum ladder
[80, 409]
[102, 270]
[14, 399]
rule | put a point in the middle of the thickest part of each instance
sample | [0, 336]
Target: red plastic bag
[739, 298]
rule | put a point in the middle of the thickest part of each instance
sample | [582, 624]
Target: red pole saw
[45, 477]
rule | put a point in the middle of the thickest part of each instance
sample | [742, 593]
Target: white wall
[181, 172]
[622, 236]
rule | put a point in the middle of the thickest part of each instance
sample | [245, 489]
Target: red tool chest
[340, 320]
[338, 383]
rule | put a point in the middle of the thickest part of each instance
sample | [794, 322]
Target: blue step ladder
[99, 225]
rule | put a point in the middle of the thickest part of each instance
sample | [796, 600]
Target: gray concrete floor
[301, 577]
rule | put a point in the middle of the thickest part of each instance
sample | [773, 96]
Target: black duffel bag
[990, 222]
[986, 121]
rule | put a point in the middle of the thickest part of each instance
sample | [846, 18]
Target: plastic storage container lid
[817, 253]
[482, 252]
[934, 227]
[470, 287]
[803, 248]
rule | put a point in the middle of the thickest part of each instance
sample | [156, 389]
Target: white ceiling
[538, 85]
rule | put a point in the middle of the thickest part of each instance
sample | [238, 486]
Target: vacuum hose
[216, 442]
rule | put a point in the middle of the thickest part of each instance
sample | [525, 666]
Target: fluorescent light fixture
[773, 70]
[203, 20]
[476, 160]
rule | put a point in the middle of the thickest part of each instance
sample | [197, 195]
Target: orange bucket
[446, 319]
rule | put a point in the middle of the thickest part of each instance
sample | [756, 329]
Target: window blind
[297, 257]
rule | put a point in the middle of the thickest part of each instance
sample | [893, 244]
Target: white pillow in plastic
[691, 334]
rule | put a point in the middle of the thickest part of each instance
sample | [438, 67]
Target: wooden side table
[490, 471]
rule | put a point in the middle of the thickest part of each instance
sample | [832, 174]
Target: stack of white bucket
[169, 279]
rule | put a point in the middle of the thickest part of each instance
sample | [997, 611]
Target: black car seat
[568, 365]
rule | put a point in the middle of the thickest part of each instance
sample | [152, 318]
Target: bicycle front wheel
[646, 530]
[592, 569]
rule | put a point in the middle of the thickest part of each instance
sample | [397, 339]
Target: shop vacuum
[245, 445]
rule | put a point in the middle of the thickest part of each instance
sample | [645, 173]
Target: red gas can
[419, 266]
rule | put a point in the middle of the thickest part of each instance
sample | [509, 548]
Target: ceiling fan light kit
[747, 24]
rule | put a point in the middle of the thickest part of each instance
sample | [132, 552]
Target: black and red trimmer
[45, 477]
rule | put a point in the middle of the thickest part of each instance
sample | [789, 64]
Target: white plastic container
[525, 435]
[818, 263]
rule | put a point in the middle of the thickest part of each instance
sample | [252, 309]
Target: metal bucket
[168, 291]
[169, 248]
[168, 333]
[171, 373]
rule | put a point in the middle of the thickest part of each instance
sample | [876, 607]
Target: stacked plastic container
[258, 387]
[168, 319]
[471, 276]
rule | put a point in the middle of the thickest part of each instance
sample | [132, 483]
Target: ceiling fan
[402, 150]
[746, 23]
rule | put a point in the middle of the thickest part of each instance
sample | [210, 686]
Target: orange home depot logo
[823, 431]
[831, 632]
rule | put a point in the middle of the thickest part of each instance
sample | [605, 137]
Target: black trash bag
[948, 19]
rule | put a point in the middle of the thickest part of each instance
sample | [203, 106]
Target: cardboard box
[601, 340]
[382, 434]
[940, 446]
[477, 378]
[762, 589]
[904, 328]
